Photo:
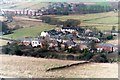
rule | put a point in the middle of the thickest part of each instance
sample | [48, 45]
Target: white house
[44, 34]
[36, 42]
[68, 29]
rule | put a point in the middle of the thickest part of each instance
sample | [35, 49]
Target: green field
[102, 21]
[29, 31]
[23, 5]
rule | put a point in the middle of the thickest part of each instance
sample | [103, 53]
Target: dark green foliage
[66, 9]
[70, 57]
[4, 28]
[99, 58]
[71, 23]
[87, 55]
[109, 37]
[55, 21]
[50, 20]
[21, 50]
[113, 28]
[13, 48]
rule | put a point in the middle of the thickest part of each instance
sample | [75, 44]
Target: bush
[86, 55]
[99, 58]
[109, 37]
[70, 57]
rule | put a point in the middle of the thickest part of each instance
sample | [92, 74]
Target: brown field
[3, 42]
[16, 66]
[114, 42]
[24, 22]
[2, 18]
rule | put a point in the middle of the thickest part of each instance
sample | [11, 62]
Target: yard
[18, 66]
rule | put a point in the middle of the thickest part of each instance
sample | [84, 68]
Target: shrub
[86, 55]
[109, 37]
[99, 58]
[70, 57]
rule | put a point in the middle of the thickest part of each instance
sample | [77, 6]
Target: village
[71, 39]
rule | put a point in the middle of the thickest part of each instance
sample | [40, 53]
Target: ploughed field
[19, 66]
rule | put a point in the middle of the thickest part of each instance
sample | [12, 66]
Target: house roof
[70, 43]
[107, 45]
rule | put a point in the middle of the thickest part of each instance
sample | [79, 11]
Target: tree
[46, 19]
[71, 22]
[113, 28]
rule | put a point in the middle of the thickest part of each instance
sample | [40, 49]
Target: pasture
[23, 5]
[32, 27]
[102, 21]
[29, 31]
[28, 27]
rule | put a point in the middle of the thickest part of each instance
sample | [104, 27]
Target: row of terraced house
[22, 12]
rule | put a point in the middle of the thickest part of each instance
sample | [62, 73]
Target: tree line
[65, 8]
[54, 21]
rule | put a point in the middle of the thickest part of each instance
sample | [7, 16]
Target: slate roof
[107, 45]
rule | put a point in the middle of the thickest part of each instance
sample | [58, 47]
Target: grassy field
[22, 5]
[29, 31]
[102, 21]
[28, 67]
[31, 27]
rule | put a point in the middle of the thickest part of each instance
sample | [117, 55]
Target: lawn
[29, 31]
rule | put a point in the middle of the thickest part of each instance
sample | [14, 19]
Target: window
[35, 42]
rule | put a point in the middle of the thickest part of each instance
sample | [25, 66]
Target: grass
[107, 20]
[29, 31]
[102, 21]
[22, 5]
[19, 66]
[87, 16]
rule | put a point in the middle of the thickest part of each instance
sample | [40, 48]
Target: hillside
[102, 21]
[27, 27]
[28, 67]
[61, 0]
[23, 5]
